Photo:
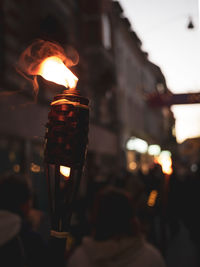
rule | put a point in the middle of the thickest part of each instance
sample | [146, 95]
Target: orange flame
[65, 171]
[165, 162]
[53, 69]
[33, 58]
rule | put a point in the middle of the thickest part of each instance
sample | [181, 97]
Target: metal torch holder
[65, 145]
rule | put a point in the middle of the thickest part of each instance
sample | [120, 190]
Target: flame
[31, 62]
[65, 171]
[53, 69]
[165, 162]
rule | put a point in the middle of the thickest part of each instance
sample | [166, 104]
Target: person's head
[113, 214]
[15, 194]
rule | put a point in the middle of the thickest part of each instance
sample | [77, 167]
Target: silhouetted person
[150, 216]
[176, 209]
[191, 216]
[116, 239]
[19, 245]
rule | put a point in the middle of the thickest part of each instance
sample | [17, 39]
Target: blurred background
[139, 66]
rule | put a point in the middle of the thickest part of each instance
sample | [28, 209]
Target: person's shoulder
[78, 258]
[153, 255]
[151, 249]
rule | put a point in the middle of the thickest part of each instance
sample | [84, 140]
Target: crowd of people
[20, 245]
[115, 224]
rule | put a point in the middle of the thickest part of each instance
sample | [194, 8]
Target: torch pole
[65, 146]
[58, 246]
[58, 239]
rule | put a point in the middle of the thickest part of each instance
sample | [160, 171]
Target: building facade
[114, 73]
[137, 77]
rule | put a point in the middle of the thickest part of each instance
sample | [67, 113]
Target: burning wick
[65, 171]
[53, 69]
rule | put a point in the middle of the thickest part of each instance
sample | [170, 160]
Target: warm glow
[53, 69]
[152, 198]
[65, 171]
[35, 168]
[164, 159]
[16, 168]
[132, 165]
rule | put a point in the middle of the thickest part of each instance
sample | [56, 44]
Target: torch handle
[69, 209]
[58, 248]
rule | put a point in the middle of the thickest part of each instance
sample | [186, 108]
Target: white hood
[111, 252]
[130, 251]
[10, 225]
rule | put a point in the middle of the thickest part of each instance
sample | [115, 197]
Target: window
[106, 31]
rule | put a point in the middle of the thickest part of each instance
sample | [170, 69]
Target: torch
[66, 140]
[164, 159]
[46, 63]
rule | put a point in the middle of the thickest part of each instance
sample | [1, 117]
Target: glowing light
[35, 168]
[194, 167]
[166, 153]
[152, 198]
[132, 165]
[65, 171]
[137, 144]
[12, 156]
[187, 121]
[154, 150]
[16, 168]
[164, 159]
[53, 69]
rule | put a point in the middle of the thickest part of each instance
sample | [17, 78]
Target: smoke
[9, 93]
[39, 50]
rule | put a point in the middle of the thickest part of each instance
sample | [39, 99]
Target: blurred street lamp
[137, 144]
[154, 150]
